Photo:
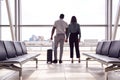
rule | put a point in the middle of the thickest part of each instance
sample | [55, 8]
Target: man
[60, 26]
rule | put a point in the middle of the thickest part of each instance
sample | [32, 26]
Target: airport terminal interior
[31, 22]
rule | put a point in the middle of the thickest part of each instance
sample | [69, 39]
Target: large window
[35, 13]
[47, 11]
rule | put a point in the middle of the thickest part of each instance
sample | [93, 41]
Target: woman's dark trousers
[73, 41]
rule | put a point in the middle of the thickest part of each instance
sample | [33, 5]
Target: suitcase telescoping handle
[52, 44]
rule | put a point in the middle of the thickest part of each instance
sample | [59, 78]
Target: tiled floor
[64, 71]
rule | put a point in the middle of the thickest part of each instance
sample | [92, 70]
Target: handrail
[52, 25]
[89, 25]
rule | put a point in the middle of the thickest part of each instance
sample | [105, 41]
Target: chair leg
[102, 65]
[106, 75]
[87, 62]
[20, 75]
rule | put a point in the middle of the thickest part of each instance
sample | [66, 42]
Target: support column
[19, 20]
[108, 19]
[0, 18]
[16, 19]
[116, 22]
[10, 21]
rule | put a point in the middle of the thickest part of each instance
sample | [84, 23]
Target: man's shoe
[72, 60]
[60, 61]
[55, 61]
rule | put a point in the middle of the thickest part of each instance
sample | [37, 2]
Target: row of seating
[13, 53]
[108, 53]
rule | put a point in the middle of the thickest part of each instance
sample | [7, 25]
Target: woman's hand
[78, 40]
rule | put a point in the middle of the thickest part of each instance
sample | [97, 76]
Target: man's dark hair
[61, 16]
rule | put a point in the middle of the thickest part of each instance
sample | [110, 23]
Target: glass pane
[29, 32]
[45, 32]
[38, 40]
[5, 34]
[118, 34]
[115, 9]
[93, 33]
[47, 11]
[4, 13]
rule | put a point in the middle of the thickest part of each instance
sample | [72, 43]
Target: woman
[74, 34]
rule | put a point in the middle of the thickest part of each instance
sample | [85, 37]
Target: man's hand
[53, 30]
[51, 38]
[66, 40]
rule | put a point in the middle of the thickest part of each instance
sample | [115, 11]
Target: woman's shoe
[60, 61]
[79, 60]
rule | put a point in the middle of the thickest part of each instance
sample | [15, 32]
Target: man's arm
[53, 30]
[67, 34]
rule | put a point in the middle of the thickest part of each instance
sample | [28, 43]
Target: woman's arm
[79, 30]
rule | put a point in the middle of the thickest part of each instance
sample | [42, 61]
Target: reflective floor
[64, 71]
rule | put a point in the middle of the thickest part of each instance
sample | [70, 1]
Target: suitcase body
[49, 56]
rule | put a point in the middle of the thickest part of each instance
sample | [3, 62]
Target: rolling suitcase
[49, 56]
[49, 53]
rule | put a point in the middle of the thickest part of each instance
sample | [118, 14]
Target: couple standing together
[63, 32]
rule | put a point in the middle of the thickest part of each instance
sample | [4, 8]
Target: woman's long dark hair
[73, 19]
